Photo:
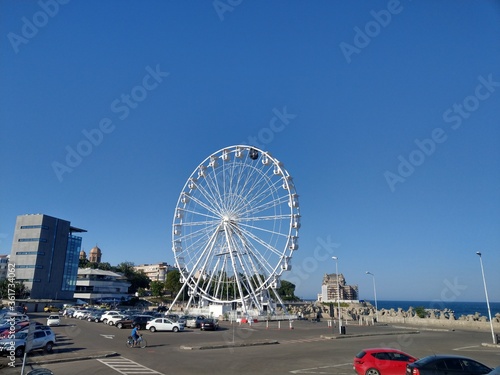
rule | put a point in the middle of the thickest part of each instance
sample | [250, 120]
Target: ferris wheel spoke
[273, 232]
[263, 243]
[204, 205]
[281, 217]
[268, 205]
[251, 251]
[213, 193]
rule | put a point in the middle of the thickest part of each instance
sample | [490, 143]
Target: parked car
[82, 314]
[195, 322]
[53, 320]
[134, 320]
[495, 371]
[42, 339]
[107, 314]
[164, 324]
[184, 318]
[209, 325]
[51, 309]
[94, 316]
[382, 361]
[17, 327]
[447, 364]
[172, 317]
[115, 318]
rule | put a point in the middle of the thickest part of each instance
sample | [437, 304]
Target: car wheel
[96, 320]
[110, 322]
[49, 347]
[119, 325]
[175, 329]
[152, 329]
[19, 351]
[372, 371]
[105, 320]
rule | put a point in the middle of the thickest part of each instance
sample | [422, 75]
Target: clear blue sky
[389, 125]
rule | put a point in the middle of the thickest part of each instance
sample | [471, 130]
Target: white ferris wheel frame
[235, 228]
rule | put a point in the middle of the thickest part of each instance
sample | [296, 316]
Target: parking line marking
[126, 366]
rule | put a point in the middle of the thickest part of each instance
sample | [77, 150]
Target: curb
[230, 345]
[369, 334]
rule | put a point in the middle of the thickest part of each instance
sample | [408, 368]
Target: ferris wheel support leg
[181, 291]
[279, 300]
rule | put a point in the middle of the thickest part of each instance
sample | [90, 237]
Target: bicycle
[140, 343]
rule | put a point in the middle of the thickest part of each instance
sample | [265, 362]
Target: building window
[28, 266]
[34, 227]
[30, 252]
[71, 264]
[32, 240]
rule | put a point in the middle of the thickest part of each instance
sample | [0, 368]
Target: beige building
[334, 288]
[155, 272]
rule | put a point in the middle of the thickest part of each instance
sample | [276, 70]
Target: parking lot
[299, 347]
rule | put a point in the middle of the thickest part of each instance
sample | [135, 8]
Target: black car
[135, 320]
[446, 365]
[209, 325]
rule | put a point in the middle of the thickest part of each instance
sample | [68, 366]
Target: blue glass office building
[45, 252]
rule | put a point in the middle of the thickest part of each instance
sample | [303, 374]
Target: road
[304, 348]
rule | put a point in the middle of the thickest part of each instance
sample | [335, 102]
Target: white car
[164, 324]
[104, 317]
[114, 318]
[53, 320]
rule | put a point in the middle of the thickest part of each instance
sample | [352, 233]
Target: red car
[382, 361]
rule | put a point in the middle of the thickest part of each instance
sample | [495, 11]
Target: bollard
[291, 324]
[267, 324]
[279, 324]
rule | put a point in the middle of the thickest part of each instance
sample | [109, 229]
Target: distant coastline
[459, 308]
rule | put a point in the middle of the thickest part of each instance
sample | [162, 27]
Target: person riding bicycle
[135, 334]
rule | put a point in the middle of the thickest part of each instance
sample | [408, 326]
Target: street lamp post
[338, 292]
[374, 293]
[486, 293]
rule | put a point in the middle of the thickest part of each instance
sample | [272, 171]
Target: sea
[458, 308]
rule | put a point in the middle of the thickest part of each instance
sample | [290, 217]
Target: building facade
[45, 253]
[155, 272]
[4, 265]
[99, 285]
[334, 288]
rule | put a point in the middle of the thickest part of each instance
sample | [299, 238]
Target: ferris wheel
[235, 228]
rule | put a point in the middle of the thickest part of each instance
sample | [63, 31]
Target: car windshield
[21, 335]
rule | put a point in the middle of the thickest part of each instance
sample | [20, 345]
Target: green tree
[287, 291]
[157, 288]
[20, 290]
[137, 279]
[173, 283]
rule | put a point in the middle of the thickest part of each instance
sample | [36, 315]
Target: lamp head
[369, 273]
[478, 253]
[334, 258]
